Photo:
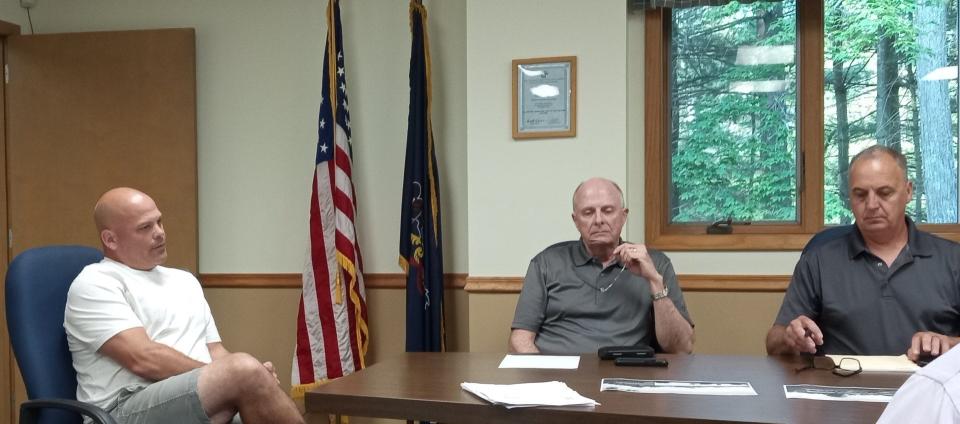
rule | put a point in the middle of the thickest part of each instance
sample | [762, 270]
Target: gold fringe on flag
[298, 391]
[363, 332]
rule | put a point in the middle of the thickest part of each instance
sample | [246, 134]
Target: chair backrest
[36, 293]
[828, 234]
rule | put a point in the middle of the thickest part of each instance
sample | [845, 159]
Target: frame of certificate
[544, 97]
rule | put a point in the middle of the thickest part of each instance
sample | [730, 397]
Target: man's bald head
[111, 205]
[130, 227]
[598, 214]
[597, 182]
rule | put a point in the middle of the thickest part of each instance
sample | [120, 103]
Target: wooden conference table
[426, 386]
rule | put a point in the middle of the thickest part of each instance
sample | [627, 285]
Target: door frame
[7, 363]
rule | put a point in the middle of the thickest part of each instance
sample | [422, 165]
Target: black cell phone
[640, 362]
[613, 352]
[924, 359]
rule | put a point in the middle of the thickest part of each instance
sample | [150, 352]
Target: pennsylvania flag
[421, 255]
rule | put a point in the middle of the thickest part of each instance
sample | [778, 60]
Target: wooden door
[6, 357]
[91, 111]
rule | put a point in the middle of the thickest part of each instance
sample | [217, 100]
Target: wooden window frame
[659, 232]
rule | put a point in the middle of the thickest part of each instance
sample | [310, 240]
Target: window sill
[727, 242]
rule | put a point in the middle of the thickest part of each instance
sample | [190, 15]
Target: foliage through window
[888, 79]
[733, 129]
[733, 111]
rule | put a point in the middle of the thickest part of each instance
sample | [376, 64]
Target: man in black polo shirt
[599, 291]
[885, 288]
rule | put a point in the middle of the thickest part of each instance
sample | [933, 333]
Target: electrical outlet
[28, 4]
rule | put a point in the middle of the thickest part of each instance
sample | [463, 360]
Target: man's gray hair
[877, 150]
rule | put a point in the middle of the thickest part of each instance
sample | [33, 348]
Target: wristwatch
[661, 294]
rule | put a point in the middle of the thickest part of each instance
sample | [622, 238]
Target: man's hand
[217, 350]
[135, 351]
[673, 332]
[638, 261]
[803, 335]
[927, 343]
[269, 366]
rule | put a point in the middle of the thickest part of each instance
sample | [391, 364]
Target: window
[892, 86]
[754, 110]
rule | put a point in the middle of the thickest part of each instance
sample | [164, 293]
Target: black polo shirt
[864, 307]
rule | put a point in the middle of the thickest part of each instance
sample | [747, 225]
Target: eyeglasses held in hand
[845, 368]
[604, 289]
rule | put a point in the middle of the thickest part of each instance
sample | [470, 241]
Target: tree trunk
[675, 190]
[918, 188]
[888, 95]
[939, 163]
[778, 146]
[842, 134]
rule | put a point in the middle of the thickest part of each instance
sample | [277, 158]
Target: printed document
[855, 394]
[723, 388]
[541, 361]
[551, 393]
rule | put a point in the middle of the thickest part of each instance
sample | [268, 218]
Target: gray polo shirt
[864, 307]
[563, 303]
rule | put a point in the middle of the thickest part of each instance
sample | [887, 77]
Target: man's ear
[626, 211]
[109, 239]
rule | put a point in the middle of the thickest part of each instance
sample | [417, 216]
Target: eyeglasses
[845, 368]
[604, 289]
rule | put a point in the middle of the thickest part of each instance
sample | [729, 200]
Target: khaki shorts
[173, 400]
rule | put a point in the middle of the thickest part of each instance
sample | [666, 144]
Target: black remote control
[640, 362]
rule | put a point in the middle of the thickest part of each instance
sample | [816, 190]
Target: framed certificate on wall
[545, 97]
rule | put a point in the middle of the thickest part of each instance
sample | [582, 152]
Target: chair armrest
[30, 410]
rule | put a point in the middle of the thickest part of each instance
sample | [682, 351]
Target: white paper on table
[551, 393]
[878, 363]
[848, 394]
[541, 361]
[722, 388]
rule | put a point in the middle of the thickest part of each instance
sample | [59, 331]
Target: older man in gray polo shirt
[584, 294]
[885, 288]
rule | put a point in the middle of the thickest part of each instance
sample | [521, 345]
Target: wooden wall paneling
[7, 365]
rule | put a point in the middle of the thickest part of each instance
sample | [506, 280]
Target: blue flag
[421, 254]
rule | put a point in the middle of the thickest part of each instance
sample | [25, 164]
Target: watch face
[662, 294]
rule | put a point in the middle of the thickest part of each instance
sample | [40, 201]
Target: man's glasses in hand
[604, 289]
[846, 367]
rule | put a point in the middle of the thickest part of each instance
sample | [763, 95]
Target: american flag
[332, 333]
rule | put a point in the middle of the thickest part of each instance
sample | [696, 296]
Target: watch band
[661, 294]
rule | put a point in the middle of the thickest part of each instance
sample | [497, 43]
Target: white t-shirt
[109, 297]
[930, 395]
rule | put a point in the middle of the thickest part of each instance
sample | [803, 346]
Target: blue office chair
[828, 234]
[37, 284]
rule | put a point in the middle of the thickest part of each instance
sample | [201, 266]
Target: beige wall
[258, 82]
[519, 191]
[726, 323]
[258, 71]
[259, 321]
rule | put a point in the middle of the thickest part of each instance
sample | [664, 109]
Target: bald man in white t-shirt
[144, 344]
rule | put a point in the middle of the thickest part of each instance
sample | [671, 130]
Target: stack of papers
[878, 363]
[541, 361]
[551, 393]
